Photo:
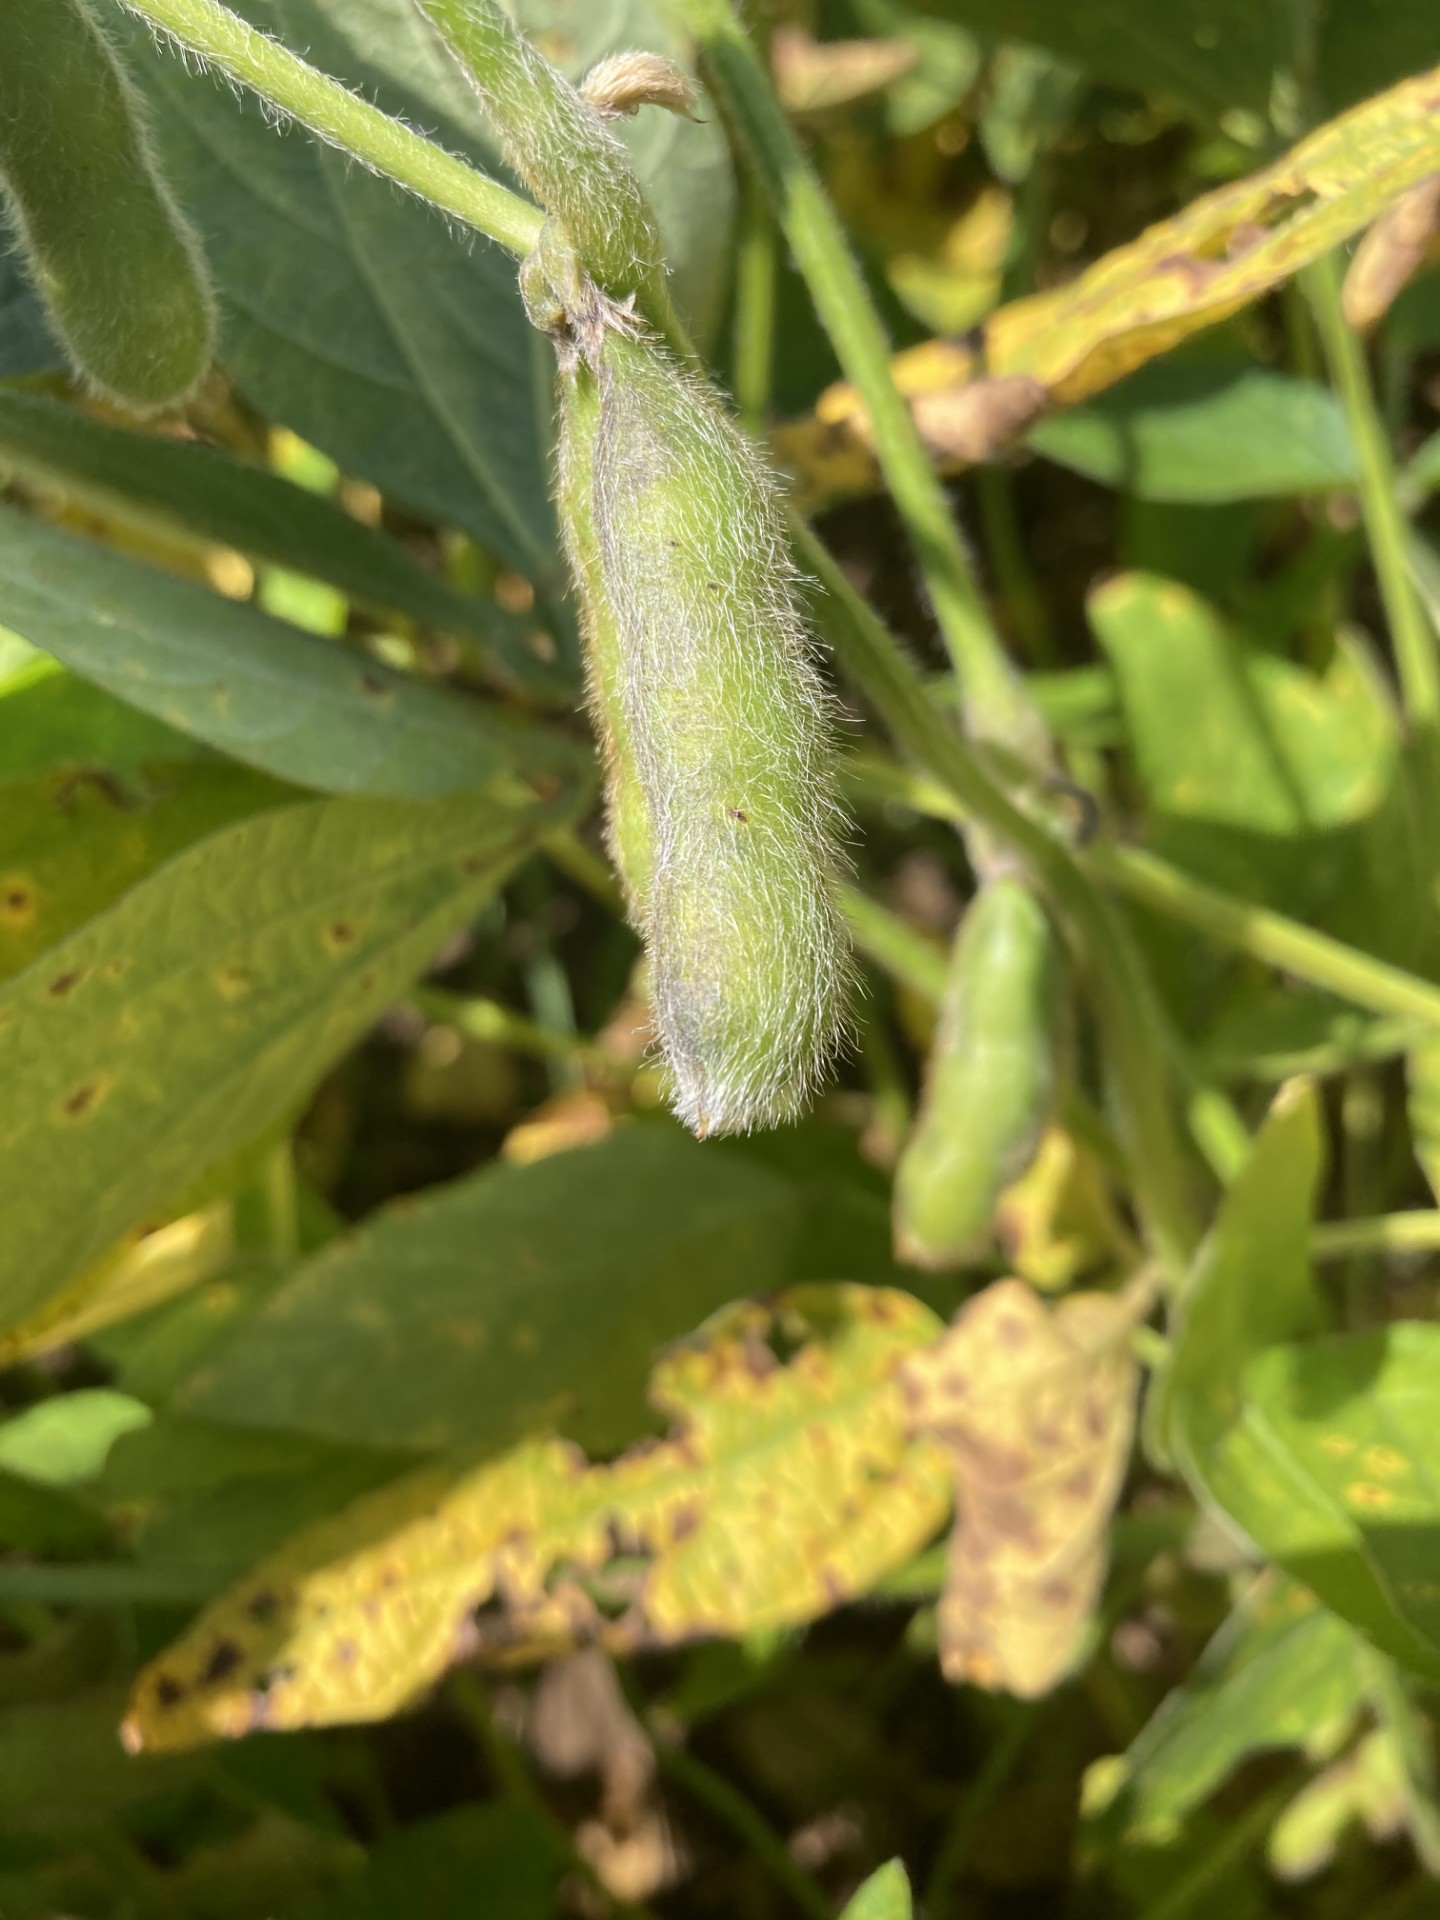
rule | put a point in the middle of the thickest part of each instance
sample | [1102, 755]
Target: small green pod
[557, 142]
[119, 270]
[990, 1080]
[731, 734]
[628, 830]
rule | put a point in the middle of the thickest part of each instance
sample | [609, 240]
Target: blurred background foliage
[248, 1313]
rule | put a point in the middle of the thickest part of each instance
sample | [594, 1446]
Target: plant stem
[727, 1803]
[976, 1801]
[893, 945]
[1415, 648]
[1265, 935]
[757, 265]
[1417, 1232]
[1124, 998]
[328, 109]
[995, 700]
[489, 1021]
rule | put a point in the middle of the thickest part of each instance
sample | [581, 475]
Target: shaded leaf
[35, 1518]
[185, 486]
[52, 720]
[1195, 432]
[785, 1490]
[354, 314]
[1036, 1408]
[280, 699]
[172, 1030]
[884, 1896]
[522, 1297]
[503, 1861]
[1282, 1672]
[26, 343]
[1251, 1285]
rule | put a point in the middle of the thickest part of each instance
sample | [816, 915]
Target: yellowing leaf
[784, 1490]
[1402, 242]
[1223, 251]
[1057, 1222]
[1036, 1408]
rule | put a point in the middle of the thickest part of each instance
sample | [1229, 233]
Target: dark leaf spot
[222, 1662]
[67, 982]
[263, 1605]
[85, 1098]
[168, 1691]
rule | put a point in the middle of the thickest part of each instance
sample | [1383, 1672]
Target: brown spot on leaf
[66, 983]
[263, 1606]
[341, 935]
[86, 1097]
[168, 1691]
[375, 688]
[222, 1663]
[17, 902]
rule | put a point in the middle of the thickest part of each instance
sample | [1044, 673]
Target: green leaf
[70, 846]
[1330, 1461]
[52, 719]
[1198, 433]
[504, 1862]
[516, 1299]
[288, 702]
[66, 1440]
[43, 1519]
[1282, 1672]
[60, 1760]
[170, 1031]
[185, 486]
[354, 314]
[1251, 1284]
[884, 1896]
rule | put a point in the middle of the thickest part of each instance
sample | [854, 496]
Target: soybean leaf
[173, 1029]
[884, 1896]
[507, 1855]
[52, 719]
[1251, 1284]
[1328, 1460]
[71, 845]
[35, 1518]
[523, 1297]
[65, 1440]
[1213, 56]
[354, 314]
[186, 486]
[1178, 277]
[1200, 432]
[1036, 1409]
[288, 702]
[1261, 776]
[784, 1489]
[1282, 1672]
[60, 1758]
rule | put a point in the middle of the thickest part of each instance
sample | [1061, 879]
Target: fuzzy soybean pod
[557, 142]
[990, 1079]
[628, 828]
[120, 272]
[730, 730]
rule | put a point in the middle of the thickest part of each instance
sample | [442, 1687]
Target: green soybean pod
[628, 829]
[731, 735]
[120, 272]
[990, 1079]
[557, 142]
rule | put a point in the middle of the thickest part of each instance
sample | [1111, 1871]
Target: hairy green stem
[1265, 935]
[328, 109]
[995, 701]
[1124, 998]
[1416, 654]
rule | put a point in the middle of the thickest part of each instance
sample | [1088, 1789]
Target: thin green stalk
[1203, 1881]
[1124, 997]
[1265, 935]
[575, 860]
[894, 945]
[995, 700]
[252, 59]
[489, 1021]
[1417, 1232]
[973, 1805]
[1416, 654]
[1013, 575]
[757, 269]
[727, 1803]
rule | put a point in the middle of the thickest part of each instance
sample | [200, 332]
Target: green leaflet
[120, 273]
[285, 701]
[173, 1029]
